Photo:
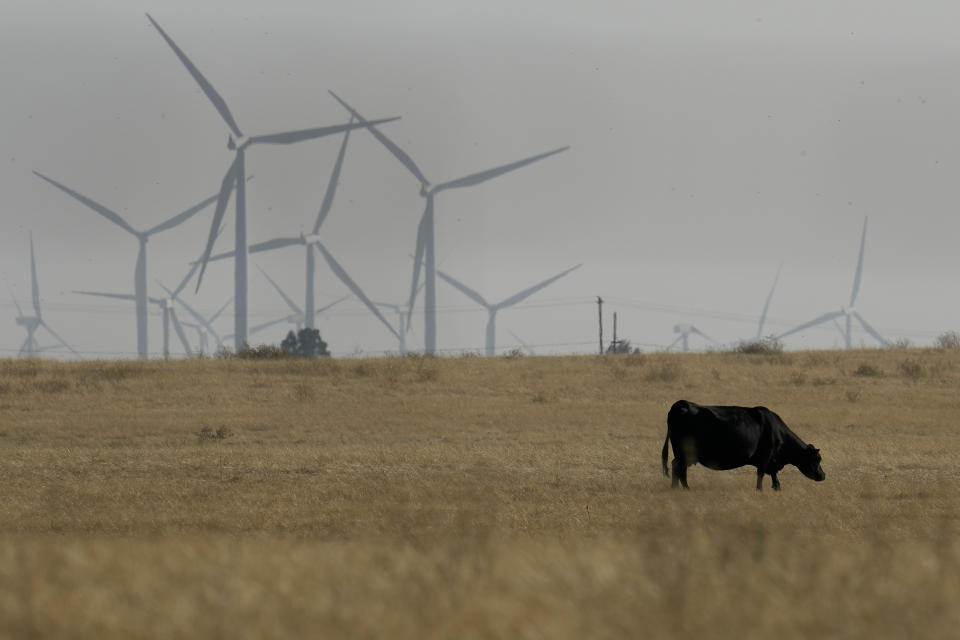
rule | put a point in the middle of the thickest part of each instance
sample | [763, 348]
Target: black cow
[722, 438]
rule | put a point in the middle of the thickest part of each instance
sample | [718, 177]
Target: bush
[948, 340]
[866, 370]
[263, 352]
[768, 346]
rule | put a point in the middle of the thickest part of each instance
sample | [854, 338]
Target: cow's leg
[776, 482]
[759, 479]
[679, 474]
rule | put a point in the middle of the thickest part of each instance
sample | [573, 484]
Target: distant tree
[948, 340]
[306, 343]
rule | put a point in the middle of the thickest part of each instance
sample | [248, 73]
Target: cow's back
[719, 437]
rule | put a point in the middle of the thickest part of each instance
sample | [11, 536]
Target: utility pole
[600, 309]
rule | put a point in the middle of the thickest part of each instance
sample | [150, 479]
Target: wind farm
[368, 213]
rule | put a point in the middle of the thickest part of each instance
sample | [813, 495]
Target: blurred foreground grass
[472, 497]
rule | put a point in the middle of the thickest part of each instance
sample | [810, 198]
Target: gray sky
[709, 143]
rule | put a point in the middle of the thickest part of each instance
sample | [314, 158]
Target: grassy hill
[473, 497]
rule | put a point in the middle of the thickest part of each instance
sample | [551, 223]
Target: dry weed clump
[472, 497]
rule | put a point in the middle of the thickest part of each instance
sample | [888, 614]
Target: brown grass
[472, 498]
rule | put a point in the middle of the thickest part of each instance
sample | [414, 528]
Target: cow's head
[809, 463]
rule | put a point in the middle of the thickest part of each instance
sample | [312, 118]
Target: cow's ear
[810, 447]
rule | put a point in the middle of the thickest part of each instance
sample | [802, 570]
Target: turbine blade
[827, 317]
[332, 184]
[702, 334]
[333, 304]
[15, 303]
[183, 217]
[267, 325]
[183, 283]
[214, 317]
[59, 339]
[96, 206]
[218, 102]
[873, 332]
[340, 273]
[225, 188]
[399, 153]
[290, 303]
[118, 296]
[763, 315]
[180, 333]
[418, 258]
[193, 312]
[275, 243]
[34, 285]
[526, 293]
[267, 245]
[673, 344]
[289, 137]
[465, 290]
[186, 278]
[856, 277]
[483, 176]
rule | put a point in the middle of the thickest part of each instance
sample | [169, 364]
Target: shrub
[867, 370]
[911, 369]
[763, 346]
[948, 340]
[263, 352]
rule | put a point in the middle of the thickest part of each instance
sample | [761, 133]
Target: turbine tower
[849, 312]
[30, 348]
[238, 143]
[503, 304]
[425, 230]
[140, 271]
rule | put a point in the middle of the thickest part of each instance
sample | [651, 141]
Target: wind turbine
[503, 304]
[140, 271]
[30, 348]
[298, 317]
[526, 347]
[401, 311]
[847, 311]
[766, 306]
[206, 323]
[309, 242]
[201, 335]
[425, 230]
[169, 317]
[238, 143]
[685, 331]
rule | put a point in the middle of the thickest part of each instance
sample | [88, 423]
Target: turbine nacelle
[238, 143]
[427, 190]
[310, 238]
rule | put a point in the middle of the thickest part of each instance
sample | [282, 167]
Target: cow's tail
[665, 453]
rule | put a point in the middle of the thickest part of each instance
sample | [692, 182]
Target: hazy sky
[710, 142]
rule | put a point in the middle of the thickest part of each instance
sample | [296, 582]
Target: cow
[723, 438]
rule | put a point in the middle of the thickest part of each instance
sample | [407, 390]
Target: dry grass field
[509, 497]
